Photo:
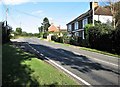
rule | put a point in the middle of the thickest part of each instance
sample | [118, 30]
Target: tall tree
[115, 9]
[117, 14]
[45, 24]
[40, 29]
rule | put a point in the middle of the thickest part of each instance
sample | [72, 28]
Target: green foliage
[54, 38]
[87, 27]
[117, 13]
[104, 29]
[24, 69]
[45, 24]
[45, 34]
[18, 31]
[117, 39]
[60, 37]
[40, 29]
[102, 37]
[66, 39]
[24, 33]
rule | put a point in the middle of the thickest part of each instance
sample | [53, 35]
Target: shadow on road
[65, 57]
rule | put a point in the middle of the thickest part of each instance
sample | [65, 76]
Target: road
[94, 68]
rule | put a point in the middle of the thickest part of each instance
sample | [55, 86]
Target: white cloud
[15, 2]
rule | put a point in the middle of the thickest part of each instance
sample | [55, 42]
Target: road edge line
[65, 70]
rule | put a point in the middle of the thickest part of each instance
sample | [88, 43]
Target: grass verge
[22, 68]
[97, 51]
[88, 49]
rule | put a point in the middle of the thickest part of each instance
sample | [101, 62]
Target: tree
[100, 36]
[117, 14]
[117, 39]
[115, 9]
[24, 33]
[45, 24]
[18, 31]
[40, 29]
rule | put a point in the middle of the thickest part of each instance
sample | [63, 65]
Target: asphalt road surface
[94, 68]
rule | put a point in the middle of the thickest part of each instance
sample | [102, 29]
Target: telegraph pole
[6, 15]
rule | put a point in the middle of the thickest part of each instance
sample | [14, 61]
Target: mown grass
[22, 68]
[88, 49]
[98, 51]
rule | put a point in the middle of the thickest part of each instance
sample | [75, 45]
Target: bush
[24, 34]
[100, 37]
[66, 40]
[60, 39]
[54, 37]
[73, 40]
[45, 35]
[57, 39]
[86, 41]
[117, 40]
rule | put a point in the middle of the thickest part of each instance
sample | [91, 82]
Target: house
[53, 28]
[76, 26]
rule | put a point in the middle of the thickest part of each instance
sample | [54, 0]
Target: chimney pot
[93, 5]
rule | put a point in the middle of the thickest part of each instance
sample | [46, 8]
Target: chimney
[93, 4]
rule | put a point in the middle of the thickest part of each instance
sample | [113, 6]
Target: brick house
[53, 28]
[76, 26]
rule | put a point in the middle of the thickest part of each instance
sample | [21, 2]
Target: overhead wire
[3, 9]
[23, 12]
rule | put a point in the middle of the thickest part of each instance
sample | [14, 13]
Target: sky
[29, 14]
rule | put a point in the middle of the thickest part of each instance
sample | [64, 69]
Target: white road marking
[67, 71]
[70, 73]
[75, 76]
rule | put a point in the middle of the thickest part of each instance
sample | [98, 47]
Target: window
[85, 21]
[80, 24]
[69, 27]
[76, 25]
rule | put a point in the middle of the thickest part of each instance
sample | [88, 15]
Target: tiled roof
[98, 11]
[53, 28]
[103, 11]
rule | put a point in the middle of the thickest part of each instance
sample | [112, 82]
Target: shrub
[45, 34]
[73, 40]
[66, 40]
[117, 39]
[60, 39]
[100, 37]
[86, 41]
[54, 38]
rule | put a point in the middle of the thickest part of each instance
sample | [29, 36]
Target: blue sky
[29, 15]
